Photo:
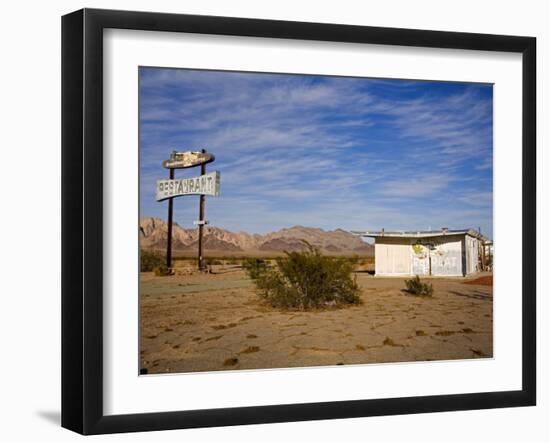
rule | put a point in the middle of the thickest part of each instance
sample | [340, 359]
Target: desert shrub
[213, 261]
[366, 261]
[254, 267]
[149, 260]
[162, 270]
[417, 287]
[306, 280]
[353, 260]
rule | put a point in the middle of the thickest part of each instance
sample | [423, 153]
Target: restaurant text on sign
[208, 184]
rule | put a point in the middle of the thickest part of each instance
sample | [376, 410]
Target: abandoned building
[438, 253]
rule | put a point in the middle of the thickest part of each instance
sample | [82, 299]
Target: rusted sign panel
[188, 159]
[208, 184]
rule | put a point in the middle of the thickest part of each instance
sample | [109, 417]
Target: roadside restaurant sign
[203, 185]
[208, 184]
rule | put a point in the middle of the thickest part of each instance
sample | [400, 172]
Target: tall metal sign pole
[170, 219]
[202, 221]
[205, 184]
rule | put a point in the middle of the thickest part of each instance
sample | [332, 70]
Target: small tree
[306, 280]
[417, 287]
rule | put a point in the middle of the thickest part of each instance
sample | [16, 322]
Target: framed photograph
[268, 221]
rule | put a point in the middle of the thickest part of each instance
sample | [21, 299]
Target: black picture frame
[82, 215]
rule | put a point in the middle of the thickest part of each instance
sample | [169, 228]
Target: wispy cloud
[420, 186]
[322, 151]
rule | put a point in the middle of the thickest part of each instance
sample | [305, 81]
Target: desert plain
[193, 322]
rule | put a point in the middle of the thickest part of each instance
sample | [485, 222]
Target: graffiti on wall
[436, 258]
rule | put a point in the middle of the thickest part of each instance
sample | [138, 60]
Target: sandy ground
[216, 322]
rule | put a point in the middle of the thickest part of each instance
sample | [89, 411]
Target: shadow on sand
[478, 295]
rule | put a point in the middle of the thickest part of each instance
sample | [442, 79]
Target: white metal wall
[442, 255]
[472, 254]
[446, 257]
[392, 256]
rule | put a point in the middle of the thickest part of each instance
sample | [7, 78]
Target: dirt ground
[211, 322]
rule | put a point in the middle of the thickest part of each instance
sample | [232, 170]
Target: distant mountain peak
[153, 235]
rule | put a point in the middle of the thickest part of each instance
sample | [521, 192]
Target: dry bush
[213, 261]
[254, 267]
[305, 280]
[417, 287]
[149, 260]
[162, 271]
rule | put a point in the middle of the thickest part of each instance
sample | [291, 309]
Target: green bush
[255, 267]
[149, 260]
[416, 287]
[305, 280]
[162, 271]
[353, 260]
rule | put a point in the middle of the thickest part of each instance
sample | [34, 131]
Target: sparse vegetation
[232, 261]
[353, 260]
[305, 280]
[213, 261]
[366, 261]
[149, 260]
[254, 267]
[417, 287]
[162, 271]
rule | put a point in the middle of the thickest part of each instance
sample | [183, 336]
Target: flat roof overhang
[420, 234]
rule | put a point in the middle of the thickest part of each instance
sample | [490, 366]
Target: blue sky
[327, 152]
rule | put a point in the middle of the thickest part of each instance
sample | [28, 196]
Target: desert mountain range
[153, 234]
